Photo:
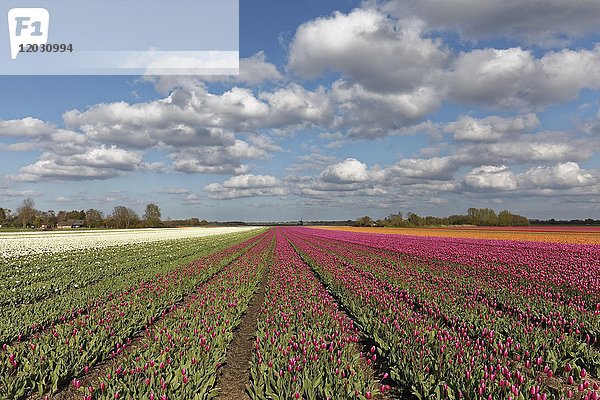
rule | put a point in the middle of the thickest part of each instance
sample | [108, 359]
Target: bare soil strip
[234, 376]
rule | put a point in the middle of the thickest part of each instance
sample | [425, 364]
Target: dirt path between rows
[234, 376]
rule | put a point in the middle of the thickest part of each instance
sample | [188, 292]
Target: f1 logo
[27, 26]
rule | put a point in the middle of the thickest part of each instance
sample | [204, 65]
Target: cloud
[592, 126]
[246, 185]
[349, 177]
[560, 176]
[249, 181]
[349, 43]
[313, 161]
[489, 129]
[19, 193]
[552, 22]
[294, 105]
[368, 115]
[40, 135]
[192, 199]
[436, 168]
[523, 148]
[372, 99]
[429, 187]
[216, 160]
[175, 190]
[535, 181]
[264, 142]
[97, 163]
[49, 169]
[182, 194]
[255, 70]
[318, 189]
[437, 201]
[26, 127]
[347, 171]
[189, 164]
[491, 177]
[195, 117]
[106, 157]
[144, 125]
[415, 73]
[196, 128]
[534, 151]
[64, 199]
[513, 79]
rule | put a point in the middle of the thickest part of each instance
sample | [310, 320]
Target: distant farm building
[70, 224]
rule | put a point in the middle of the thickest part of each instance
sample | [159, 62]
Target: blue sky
[342, 109]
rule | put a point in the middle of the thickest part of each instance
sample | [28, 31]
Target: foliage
[94, 218]
[364, 221]
[3, 215]
[474, 216]
[179, 356]
[452, 318]
[152, 215]
[59, 349]
[305, 347]
[123, 217]
[26, 212]
[469, 318]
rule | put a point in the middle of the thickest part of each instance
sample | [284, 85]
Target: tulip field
[552, 234]
[345, 315]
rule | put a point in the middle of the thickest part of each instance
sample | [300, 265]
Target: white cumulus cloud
[491, 128]
[491, 177]
[348, 171]
[246, 185]
[560, 176]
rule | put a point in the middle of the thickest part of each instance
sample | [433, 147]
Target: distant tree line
[474, 216]
[552, 221]
[27, 216]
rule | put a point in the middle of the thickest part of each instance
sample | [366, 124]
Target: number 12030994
[46, 48]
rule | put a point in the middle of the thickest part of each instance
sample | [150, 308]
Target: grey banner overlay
[127, 37]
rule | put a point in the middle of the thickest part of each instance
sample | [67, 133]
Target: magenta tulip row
[438, 337]
[305, 346]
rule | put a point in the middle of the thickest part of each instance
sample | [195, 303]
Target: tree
[73, 215]
[38, 221]
[414, 219]
[152, 215]
[506, 218]
[364, 221]
[395, 220]
[61, 217]
[124, 217]
[94, 218]
[194, 221]
[458, 220]
[2, 215]
[26, 212]
[49, 219]
[482, 216]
